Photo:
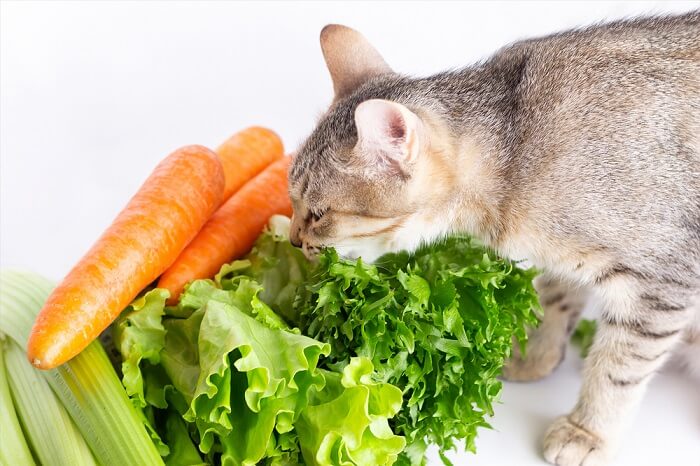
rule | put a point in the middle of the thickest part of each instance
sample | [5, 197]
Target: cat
[578, 152]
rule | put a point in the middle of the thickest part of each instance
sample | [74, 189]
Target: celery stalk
[87, 385]
[53, 436]
[14, 447]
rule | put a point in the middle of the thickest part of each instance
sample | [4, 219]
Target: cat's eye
[316, 215]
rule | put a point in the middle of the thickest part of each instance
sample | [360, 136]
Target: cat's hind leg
[687, 355]
[562, 304]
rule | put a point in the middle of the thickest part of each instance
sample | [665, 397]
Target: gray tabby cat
[579, 152]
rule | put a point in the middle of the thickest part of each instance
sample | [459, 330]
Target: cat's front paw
[566, 444]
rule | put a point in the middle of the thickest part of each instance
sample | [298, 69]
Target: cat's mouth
[369, 248]
[350, 253]
[310, 251]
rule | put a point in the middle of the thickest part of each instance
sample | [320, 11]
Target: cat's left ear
[351, 59]
[389, 135]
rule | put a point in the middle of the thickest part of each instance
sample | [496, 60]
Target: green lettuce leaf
[253, 379]
[583, 335]
[438, 324]
[348, 422]
[140, 337]
[183, 452]
[279, 268]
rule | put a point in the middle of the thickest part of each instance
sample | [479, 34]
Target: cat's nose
[295, 237]
[295, 232]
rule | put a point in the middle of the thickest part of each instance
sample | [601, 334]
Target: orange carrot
[169, 209]
[247, 153]
[232, 230]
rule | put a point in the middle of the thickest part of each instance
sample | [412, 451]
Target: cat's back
[611, 84]
[664, 38]
[646, 55]
[610, 115]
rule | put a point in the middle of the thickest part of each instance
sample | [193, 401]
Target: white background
[95, 94]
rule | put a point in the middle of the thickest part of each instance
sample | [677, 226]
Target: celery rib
[87, 385]
[15, 449]
[53, 437]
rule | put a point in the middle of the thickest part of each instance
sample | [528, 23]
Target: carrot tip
[44, 364]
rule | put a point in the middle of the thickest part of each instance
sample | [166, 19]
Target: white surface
[666, 430]
[95, 94]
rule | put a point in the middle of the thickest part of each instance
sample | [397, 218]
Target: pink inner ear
[385, 134]
[397, 126]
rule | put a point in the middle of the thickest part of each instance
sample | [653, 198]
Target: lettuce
[228, 382]
[141, 336]
[280, 268]
[583, 336]
[281, 361]
[438, 324]
[347, 422]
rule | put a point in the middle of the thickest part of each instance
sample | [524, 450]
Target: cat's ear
[350, 58]
[389, 135]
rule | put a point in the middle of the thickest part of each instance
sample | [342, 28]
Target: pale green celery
[14, 449]
[87, 385]
[53, 437]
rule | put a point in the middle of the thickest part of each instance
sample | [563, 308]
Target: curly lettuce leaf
[244, 391]
[253, 379]
[280, 268]
[438, 324]
[140, 335]
[347, 423]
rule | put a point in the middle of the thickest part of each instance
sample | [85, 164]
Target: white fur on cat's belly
[414, 232]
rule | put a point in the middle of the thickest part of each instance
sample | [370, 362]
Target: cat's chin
[371, 248]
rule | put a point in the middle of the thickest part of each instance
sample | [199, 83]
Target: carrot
[247, 153]
[232, 230]
[169, 209]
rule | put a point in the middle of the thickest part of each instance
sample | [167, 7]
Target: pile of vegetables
[404, 353]
[274, 359]
[179, 226]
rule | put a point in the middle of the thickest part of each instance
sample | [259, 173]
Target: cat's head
[368, 179]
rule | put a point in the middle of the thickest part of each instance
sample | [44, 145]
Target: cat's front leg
[640, 324]
[562, 303]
